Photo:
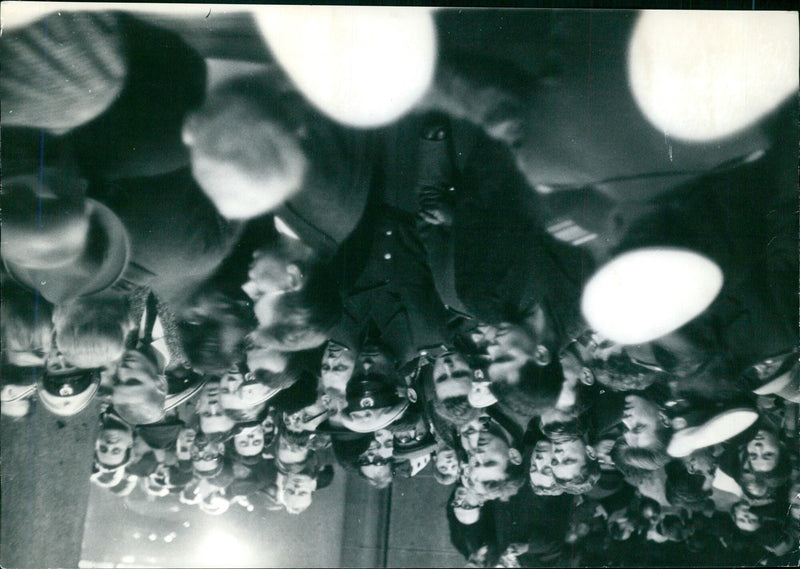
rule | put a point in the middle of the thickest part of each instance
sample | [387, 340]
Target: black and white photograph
[384, 286]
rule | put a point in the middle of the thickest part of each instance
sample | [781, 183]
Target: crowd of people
[260, 297]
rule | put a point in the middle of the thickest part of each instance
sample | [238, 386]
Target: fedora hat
[103, 224]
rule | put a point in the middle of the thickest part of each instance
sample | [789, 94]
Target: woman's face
[762, 452]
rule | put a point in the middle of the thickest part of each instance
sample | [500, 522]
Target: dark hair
[537, 390]
[232, 123]
[299, 395]
[315, 308]
[685, 490]
[624, 456]
[211, 314]
[347, 450]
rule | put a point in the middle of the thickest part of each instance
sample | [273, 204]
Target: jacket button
[387, 256]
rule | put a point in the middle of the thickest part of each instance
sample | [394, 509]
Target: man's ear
[514, 456]
[296, 276]
[664, 419]
[590, 452]
[587, 376]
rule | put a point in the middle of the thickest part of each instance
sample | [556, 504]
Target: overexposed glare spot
[362, 66]
[220, 549]
[702, 75]
[645, 294]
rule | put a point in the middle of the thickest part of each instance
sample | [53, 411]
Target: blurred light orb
[705, 75]
[362, 66]
[647, 293]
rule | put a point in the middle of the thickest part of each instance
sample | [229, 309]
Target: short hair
[456, 410]
[212, 313]
[625, 455]
[537, 390]
[683, 489]
[585, 480]
[250, 122]
[299, 395]
[26, 320]
[91, 330]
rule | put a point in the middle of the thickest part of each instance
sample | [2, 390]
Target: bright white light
[645, 294]
[221, 549]
[152, 537]
[363, 66]
[705, 75]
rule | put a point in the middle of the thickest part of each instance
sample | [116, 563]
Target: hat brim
[375, 423]
[114, 263]
[417, 451]
[777, 384]
[176, 399]
[70, 405]
[718, 429]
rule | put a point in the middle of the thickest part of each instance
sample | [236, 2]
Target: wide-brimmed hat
[102, 222]
[67, 392]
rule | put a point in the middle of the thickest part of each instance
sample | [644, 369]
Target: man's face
[290, 452]
[297, 492]
[237, 392]
[487, 450]
[250, 441]
[136, 379]
[763, 452]
[210, 410]
[509, 351]
[569, 458]
[446, 462]
[452, 376]
[642, 421]
[541, 471]
[112, 444]
[745, 519]
[183, 446]
[337, 367]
